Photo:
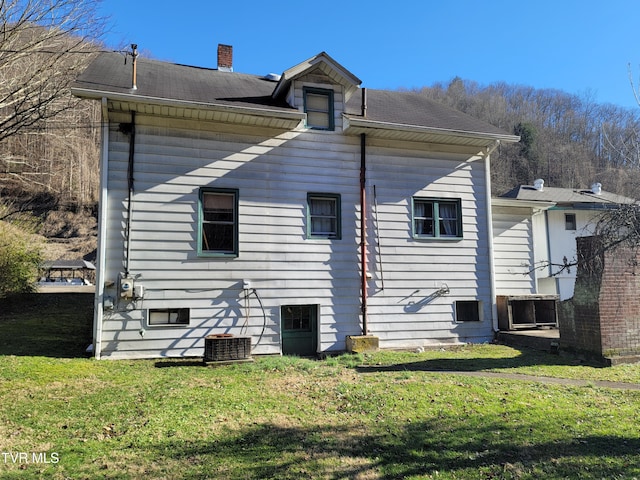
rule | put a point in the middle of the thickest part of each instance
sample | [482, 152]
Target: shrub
[20, 256]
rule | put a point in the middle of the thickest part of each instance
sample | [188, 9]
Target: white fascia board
[295, 116]
[363, 123]
[511, 202]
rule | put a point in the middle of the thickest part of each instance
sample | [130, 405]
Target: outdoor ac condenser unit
[226, 348]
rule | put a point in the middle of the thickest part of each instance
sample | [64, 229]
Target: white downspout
[492, 270]
[102, 228]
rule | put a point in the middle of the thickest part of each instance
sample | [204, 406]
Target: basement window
[467, 311]
[318, 105]
[169, 316]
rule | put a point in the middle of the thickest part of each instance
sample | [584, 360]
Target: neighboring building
[66, 273]
[232, 203]
[535, 229]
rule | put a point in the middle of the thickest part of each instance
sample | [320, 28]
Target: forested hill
[569, 141]
[49, 140]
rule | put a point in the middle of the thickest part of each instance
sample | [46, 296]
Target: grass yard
[382, 416]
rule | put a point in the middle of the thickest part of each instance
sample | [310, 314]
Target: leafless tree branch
[44, 45]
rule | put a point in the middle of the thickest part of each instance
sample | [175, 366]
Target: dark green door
[299, 329]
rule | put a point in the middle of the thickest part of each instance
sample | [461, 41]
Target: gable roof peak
[327, 65]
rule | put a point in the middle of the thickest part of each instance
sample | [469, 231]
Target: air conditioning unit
[226, 348]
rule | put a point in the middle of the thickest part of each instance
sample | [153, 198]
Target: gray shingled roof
[155, 79]
[67, 265]
[412, 108]
[565, 196]
[109, 74]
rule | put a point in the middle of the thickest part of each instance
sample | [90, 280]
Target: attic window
[318, 105]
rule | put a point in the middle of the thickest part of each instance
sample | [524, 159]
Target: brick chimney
[225, 58]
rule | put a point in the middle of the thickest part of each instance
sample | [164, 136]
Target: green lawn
[387, 415]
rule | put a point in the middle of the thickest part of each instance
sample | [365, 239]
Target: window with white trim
[437, 218]
[318, 105]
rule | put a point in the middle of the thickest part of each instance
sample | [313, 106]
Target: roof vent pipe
[134, 75]
[364, 102]
[539, 184]
[596, 188]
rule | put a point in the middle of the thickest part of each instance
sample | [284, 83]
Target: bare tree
[43, 44]
[48, 138]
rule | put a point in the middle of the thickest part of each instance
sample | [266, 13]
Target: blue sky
[581, 47]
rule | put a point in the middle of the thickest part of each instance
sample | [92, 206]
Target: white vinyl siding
[274, 171]
[404, 308]
[513, 251]
[562, 244]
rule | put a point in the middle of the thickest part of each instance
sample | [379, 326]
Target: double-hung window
[569, 221]
[323, 215]
[318, 105]
[437, 218]
[218, 222]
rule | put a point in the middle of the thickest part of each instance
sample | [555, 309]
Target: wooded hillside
[567, 140]
[49, 140]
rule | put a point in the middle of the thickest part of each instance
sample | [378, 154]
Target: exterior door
[299, 329]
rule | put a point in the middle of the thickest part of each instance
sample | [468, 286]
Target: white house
[535, 229]
[233, 203]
